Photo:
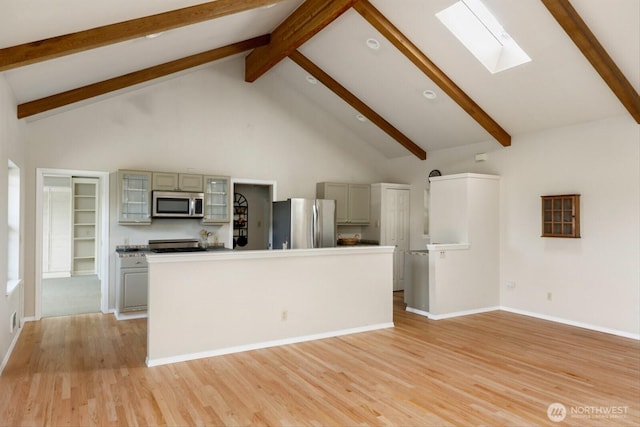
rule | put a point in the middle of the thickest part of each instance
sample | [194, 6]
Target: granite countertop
[132, 250]
[142, 250]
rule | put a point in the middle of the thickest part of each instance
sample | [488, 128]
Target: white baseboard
[5, 360]
[28, 319]
[130, 316]
[453, 314]
[247, 347]
[416, 311]
[572, 323]
[56, 275]
[529, 314]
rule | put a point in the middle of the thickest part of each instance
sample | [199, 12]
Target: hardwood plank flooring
[494, 368]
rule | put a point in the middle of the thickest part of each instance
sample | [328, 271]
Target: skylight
[480, 32]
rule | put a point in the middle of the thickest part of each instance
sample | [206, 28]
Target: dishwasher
[416, 289]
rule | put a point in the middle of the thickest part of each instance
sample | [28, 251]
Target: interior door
[56, 227]
[398, 231]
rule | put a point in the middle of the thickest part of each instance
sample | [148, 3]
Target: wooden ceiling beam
[306, 21]
[42, 50]
[579, 32]
[69, 97]
[411, 51]
[356, 103]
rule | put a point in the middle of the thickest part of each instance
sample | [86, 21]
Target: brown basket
[348, 241]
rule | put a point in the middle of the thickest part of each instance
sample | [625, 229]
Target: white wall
[594, 280]
[11, 148]
[207, 121]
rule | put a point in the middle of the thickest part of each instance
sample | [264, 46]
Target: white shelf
[84, 248]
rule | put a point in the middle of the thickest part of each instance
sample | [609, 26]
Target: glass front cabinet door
[134, 197]
[216, 199]
[561, 216]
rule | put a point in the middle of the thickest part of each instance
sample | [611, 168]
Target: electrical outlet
[511, 285]
[549, 296]
[284, 315]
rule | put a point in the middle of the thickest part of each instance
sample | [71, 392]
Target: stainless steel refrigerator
[304, 223]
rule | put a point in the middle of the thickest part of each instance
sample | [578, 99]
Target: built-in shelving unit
[84, 248]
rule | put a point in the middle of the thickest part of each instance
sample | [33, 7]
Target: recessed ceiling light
[429, 94]
[361, 118]
[312, 80]
[373, 44]
[154, 35]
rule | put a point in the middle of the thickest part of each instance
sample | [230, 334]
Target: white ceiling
[557, 88]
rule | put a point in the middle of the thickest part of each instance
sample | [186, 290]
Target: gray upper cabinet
[352, 201]
[134, 197]
[169, 181]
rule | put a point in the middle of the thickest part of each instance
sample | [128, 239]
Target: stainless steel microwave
[177, 204]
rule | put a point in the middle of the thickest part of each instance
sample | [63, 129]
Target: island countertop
[266, 253]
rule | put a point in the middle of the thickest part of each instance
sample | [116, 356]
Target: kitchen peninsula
[213, 303]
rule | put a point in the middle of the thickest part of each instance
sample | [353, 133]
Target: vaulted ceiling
[585, 60]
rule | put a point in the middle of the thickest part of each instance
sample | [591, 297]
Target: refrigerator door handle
[315, 238]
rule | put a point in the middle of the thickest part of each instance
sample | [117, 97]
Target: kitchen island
[211, 303]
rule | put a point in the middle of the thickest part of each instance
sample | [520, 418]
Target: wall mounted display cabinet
[561, 216]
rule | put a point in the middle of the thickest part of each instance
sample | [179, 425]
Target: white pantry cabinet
[134, 197]
[170, 181]
[390, 223]
[464, 254]
[352, 201]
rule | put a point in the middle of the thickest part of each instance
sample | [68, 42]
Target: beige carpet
[70, 295]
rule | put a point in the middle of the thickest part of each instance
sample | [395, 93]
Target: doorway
[72, 238]
[252, 215]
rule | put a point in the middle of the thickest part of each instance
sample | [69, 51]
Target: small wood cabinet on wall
[561, 216]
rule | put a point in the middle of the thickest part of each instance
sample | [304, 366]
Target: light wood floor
[488, 369]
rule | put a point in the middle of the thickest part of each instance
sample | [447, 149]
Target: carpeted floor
[70, 295]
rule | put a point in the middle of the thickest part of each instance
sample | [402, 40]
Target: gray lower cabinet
[133, 278]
